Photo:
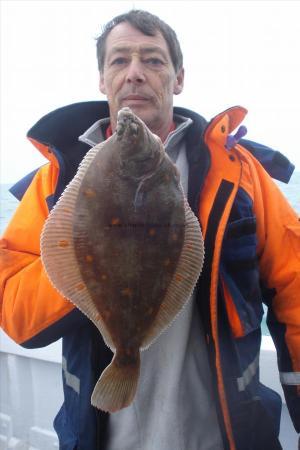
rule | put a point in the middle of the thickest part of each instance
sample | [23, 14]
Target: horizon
[13, 182]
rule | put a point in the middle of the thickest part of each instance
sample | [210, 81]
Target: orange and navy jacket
[252, 242]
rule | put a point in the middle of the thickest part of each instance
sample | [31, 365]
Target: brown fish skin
[140, 150]
[124, 246]
[127, 278]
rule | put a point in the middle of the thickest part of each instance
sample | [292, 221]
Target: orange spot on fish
[89, 258]
[174, 236]
[152, 232]
[79, 286]
[103, 277]
[89, 193]
[63, 243]
[179, 277]
[115, 221]
[127, 292]
[166, 262]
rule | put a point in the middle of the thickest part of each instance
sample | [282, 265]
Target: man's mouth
[134, 98]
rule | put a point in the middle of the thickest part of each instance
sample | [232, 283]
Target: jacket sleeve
[32, 312]
[279, 256]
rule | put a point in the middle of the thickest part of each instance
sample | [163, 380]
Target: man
[199, 386]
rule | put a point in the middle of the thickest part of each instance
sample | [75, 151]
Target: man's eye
[119, 60]
[154, 61]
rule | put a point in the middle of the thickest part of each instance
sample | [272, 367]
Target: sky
[235, 53]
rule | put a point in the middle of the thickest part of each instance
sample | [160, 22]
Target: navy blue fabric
[67, 324]
[278, 331]
[50, 200]
[239, 267]
[67, 437]
[292, 401]
[81, 426]
[273, 404]
[257, 407]
[86, 356]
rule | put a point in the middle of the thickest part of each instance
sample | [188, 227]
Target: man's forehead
[136, 48]
[127, 38]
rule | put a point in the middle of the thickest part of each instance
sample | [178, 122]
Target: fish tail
[117, 385]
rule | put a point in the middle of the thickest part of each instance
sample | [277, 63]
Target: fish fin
[57, 250]
[117, 386]
[188, 269]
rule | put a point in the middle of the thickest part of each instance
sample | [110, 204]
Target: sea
[8, 205]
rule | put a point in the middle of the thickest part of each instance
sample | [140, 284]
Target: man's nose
[135, 73]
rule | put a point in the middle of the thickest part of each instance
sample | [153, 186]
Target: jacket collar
[60, 128]
[96, 133]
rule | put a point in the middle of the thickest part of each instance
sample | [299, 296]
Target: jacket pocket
[240, 276]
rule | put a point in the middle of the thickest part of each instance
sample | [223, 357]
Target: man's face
[138, 73]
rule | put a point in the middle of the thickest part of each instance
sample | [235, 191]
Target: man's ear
[179, 82]
[101, 83]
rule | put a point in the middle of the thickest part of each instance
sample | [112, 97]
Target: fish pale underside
[123, 245]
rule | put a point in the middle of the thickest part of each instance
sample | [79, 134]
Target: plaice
[124, 246]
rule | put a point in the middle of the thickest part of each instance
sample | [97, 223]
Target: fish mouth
[127, 124]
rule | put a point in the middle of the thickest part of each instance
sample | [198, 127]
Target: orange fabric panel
[30, 303]
[24, 287]
[286, 308]
[23, 231]
[8, 260]
[224, 164]
[278, 228]
[233, 317]
[231, 118]
[246, 181]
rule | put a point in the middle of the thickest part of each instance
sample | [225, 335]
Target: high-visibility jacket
[252, 245]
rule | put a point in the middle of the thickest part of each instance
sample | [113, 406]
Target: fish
[123, 245]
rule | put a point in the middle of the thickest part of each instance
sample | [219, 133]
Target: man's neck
[162, 131]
